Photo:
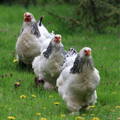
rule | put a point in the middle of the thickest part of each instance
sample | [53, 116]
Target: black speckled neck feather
[80, 62]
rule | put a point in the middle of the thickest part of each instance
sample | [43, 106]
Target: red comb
[87, 52]
[57, 39]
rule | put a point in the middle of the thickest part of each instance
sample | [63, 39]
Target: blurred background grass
[97, 15]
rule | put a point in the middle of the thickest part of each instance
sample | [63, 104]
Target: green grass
[106, 54]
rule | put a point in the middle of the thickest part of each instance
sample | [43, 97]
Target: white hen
[28, 43]
[47, 66]
[77, 83]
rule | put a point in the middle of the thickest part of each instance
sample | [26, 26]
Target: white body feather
[69, 61]
[45, 37]
[78, 89]
[43, 31]
[44, 42]
[27, 46]
[48, 69]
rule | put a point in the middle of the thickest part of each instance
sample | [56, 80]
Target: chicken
[77, 83]
[28, 44]
[47, 66]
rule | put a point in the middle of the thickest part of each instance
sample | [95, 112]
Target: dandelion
[79, 118]
[11, 117]
[34, 96]
[117, 107]
[23, 96]
[95, 118]
[50, 96]
[43, 119]
[56, 103]
[91, 107]
[62, 115]
[17, 83]
[15, 60]
[38, 114]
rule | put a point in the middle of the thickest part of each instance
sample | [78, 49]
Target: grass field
[40, 103]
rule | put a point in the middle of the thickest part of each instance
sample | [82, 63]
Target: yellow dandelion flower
[91, 107]
[11, 117]
[15, 60]
[34, 96]
[117, 107]
[23, 96]
[50, 96]
[56, 103]
[38, 114]
[43, 119]
[17, 83]
[62, 115]
[79, 118]
[95, 118]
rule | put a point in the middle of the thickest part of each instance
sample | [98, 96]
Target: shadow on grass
[23, 67]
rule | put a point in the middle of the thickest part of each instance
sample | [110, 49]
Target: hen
[47, 66]
[28, 44]
[77, 83]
